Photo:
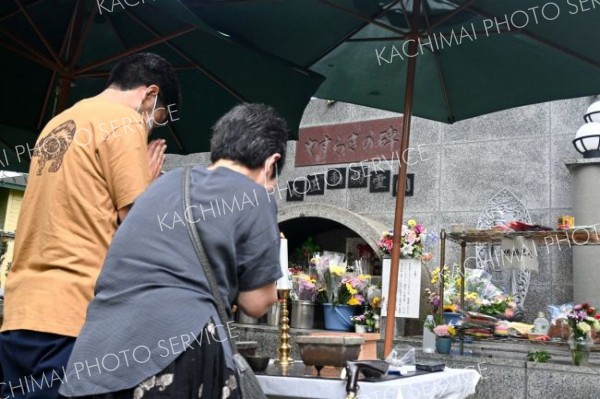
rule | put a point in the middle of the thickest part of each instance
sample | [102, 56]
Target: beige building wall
[10, 205]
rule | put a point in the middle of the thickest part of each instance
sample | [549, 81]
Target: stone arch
[369, 229]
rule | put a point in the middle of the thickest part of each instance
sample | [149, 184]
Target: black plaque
[410, 185]
[316, 184]
[296, 190]
[336, 178]
[380, 182]
[357, 177]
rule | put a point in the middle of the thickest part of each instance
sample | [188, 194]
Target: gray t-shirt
[152, 299]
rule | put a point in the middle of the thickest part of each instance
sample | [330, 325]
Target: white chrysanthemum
[584, 327]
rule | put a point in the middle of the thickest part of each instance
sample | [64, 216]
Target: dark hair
[145, 69]
[248, 134]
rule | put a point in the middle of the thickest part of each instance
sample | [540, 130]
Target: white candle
[284, 282]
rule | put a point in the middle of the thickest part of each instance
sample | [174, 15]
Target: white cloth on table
[448, 384]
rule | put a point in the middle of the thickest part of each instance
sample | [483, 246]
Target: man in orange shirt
[89, 164]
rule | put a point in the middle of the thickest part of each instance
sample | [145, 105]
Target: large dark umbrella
[482, 56]
[56, 52]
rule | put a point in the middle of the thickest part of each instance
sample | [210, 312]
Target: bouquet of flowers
[367, 319]
[349, 292]
[360, 320]
[374, 298]
[341, 288]
[304, 286]
[413, 243]
[370, 318]
[444, 330]
[582, 319]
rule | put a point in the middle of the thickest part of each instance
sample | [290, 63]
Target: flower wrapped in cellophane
[304, 287]
[480, 294]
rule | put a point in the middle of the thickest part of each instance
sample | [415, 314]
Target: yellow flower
[353, 301]
[411, 223]
[351, 289]
[471, 296]
[376, 302]
[364, 277]
[451, 330]
[435, 275]
[337, 270]
[450, 308]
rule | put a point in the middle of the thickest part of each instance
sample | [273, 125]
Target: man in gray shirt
[152, 329]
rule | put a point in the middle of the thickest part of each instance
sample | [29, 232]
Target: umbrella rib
[30, 53]
[69, 36]
[378, 39]
[31, 57]
[352, 33]
[46, 99]
[438, 66]
[39, 33]
[460, 8]
[63, 48]
[212, 77]
[405, 14]
[117, 34]
[130, 51]
[82, 38]
[366, 19]
[540, 39]
[17, 12]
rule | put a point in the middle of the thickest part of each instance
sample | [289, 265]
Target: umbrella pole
[399, 213]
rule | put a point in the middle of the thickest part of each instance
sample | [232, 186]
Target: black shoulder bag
[247, 381]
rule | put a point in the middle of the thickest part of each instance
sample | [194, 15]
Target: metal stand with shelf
[578, 236]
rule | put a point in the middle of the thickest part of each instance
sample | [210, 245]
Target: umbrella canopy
[444, 60]
[474, 56]
[55, 53]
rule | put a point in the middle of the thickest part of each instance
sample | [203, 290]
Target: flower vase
[303, 314]
[580, 349]
[360, 328]
[337, 318]
[443, 345]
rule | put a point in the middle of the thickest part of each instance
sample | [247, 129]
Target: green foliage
[306, 251]
[495, 309]
[538, 356]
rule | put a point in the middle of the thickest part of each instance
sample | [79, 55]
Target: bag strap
[201, 253]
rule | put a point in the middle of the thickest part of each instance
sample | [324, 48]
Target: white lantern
[593, 113]
[587, 139]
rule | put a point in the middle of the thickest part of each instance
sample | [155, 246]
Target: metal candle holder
[284, 328]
